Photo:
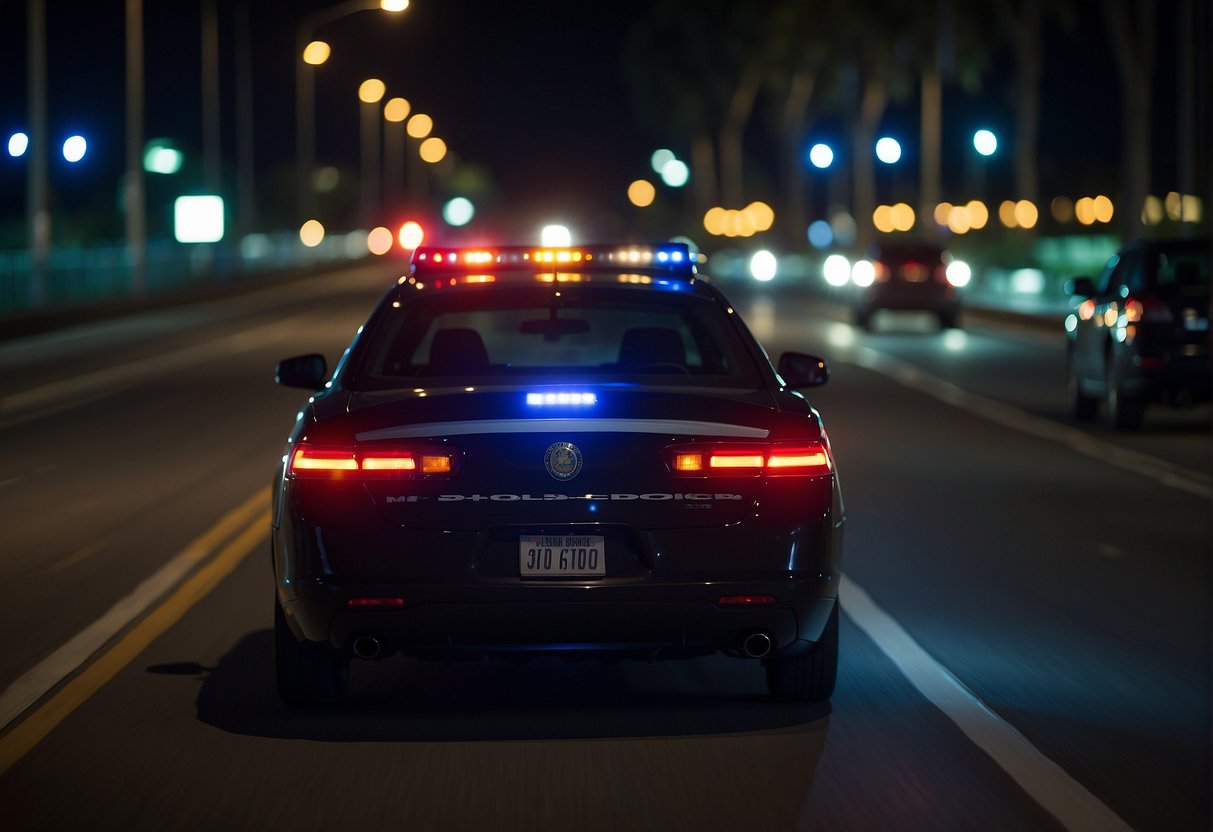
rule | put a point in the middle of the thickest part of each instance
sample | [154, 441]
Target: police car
[528, 450]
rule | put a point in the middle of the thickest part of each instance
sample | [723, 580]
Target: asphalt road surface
[1025, 638]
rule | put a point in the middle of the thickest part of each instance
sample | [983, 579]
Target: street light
[821, 155]
[888, 150]
[985, 142]
[305, 88]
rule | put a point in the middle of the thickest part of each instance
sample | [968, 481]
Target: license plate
[561, 556]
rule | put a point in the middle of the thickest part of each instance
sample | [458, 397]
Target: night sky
[533, 92]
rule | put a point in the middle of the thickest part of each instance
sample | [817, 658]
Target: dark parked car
[1140, 332]
[577, 450]
[908, 277]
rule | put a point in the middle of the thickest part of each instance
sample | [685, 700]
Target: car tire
[1124, 412]
[1084, 408]
[949, 320]
[809, 677]
[307, 674]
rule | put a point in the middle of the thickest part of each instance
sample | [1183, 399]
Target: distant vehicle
[1140, 333]
[579, 451]
[908, 277]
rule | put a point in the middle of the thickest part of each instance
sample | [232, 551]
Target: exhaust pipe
[367, 647]
[756, 645]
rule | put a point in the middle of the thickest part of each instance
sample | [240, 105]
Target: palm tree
[1132, 28]
[1023, 21]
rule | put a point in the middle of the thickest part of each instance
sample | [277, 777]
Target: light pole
[305, 90]
[395, 111]
[132, 185]
[985, 143]
[419, 126]
[38, 218]
[370, 93]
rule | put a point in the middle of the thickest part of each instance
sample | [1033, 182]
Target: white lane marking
[1166, 473]
[42, 677]
[564, 425]
[1045, 782]
[70, 391]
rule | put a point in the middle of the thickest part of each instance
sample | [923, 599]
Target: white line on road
[1166, 473]
[56, 667]
[1044, 781]
[28, 404]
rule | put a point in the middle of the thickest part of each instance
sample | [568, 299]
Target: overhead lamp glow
[410, 235]
[311, 233]
[432, 150]
[396, 110]
[393, 5]
[675, 173]
[985, 142]
[74, 148]
[641, 193]
[18, 143]
[888, 150]
[419, 126]
[198, 219]
[371, 91]
[555, 236]
[458, 211]
[161, 157]
[661, 158]
[316, 53]
[821, 155]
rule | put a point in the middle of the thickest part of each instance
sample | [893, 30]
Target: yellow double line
[249, 522]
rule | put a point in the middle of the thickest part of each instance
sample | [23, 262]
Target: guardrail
[87, 275]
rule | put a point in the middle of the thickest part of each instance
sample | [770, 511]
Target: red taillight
[375, 602]
[1147, 309]
[371, 463]
[771, 459]
[745, 600]
[323, 460]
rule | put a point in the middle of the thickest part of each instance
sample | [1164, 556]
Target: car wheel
[1082, 406]
[307, 673]
[810, 677]
[1124, 412]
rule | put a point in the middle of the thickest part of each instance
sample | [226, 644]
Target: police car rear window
[516, 334]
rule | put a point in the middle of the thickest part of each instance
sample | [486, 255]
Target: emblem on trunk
[563, 460]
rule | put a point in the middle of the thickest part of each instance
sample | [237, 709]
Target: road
[1025, 639]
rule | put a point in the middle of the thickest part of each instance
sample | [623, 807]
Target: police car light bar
[672, 259]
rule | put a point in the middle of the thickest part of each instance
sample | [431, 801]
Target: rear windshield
[1182, 270]
[1178, 269]
[509, 334]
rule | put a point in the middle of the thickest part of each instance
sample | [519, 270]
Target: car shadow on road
[405, 700]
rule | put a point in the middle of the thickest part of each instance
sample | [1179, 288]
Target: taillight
[1147, 309]
[325, 461]
[810, 459]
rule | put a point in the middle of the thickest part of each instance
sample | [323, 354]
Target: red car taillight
[333, 462]
[1148, 309]
[808, 459]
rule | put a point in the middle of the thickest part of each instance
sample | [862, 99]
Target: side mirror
[801, 370]
[1080, 287]
[305, 371]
